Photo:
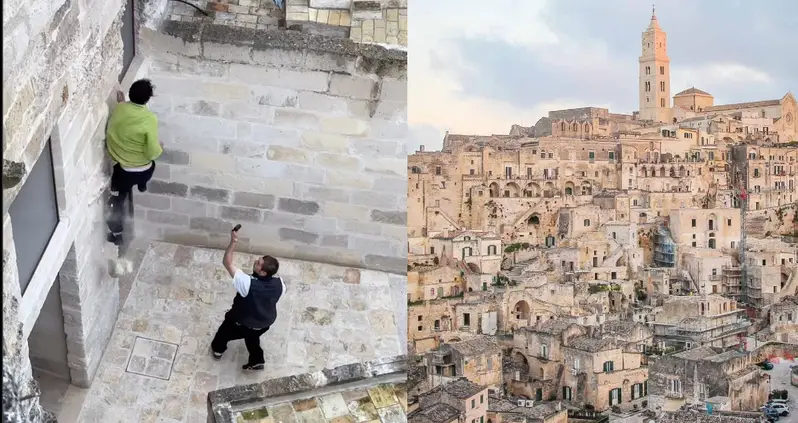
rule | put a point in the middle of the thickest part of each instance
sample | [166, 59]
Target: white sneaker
[128, 266]
[115, 268]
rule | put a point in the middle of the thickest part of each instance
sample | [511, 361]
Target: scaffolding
[664, 248]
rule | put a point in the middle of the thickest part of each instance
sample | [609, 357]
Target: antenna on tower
[653, 10]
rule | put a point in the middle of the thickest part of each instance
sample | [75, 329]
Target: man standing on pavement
[254, 306]
[132, 142]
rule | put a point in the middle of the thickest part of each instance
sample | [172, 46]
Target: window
[662, 86]
[508, 172]
[432, 250]
[648, 70]
[587, 222]
[577, 364]
[615, 397]
[608, 366]
[437, 325]
[466, 319]
[728, 222]
[637, 391]
[611, 156]
[481, 399]
[471, 172]
[415, 169]
[34, 216]
[566, 393]
[544, 351]
[473, 403]
[662, 102]
[675, 387]
[662, 70]
[128, 39]
[438, 170]
[491, 250]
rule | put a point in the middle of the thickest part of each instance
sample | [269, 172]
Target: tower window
[662, 102]
[662, 86]
[662, 70]
[648, 70]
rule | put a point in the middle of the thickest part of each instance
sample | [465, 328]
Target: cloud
[482, 69]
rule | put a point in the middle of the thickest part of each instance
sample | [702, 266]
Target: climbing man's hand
[120, 97]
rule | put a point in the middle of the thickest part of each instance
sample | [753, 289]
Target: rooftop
[476, 346]
[692, 91]
[586, 343]
[438, 413]
[461, 388]
[737, 106]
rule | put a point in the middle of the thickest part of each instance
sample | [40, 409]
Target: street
[780, 379]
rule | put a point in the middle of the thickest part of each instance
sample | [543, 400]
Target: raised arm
[227, 260]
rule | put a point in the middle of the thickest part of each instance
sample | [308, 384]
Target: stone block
[338, 161]
[325, 142]
[361, 227]
[317, 102]
[210, 161]
[275, 96]
[255, 200]
[394, 90]
[202, 126]
[174, 157]
[386, 263]
[287, 154]
[215, 195]
[210, 224]
[260, 168]
[345, 211]
[278, 219]
[343, 178]
[321, 193]
[390, 166]
[283, 78]
[306, 174]
[358, 87]
[390, 184]
[391, 111]
[291, 118]
[335, 241]
[344, 126]
[152, 201]
[240, 214]
[389, 217]
[197, 107]
[226, 52]
[296, 235]
[375, 148]
[386, 129]
[374, 199]
[167, 218]
[245, 110]
[168, 188]
[191, 207]
[292, 205]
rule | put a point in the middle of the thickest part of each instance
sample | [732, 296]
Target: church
[766, 120]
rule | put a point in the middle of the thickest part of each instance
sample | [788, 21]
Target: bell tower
[655, 74]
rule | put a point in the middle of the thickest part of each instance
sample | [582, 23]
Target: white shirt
[242, 281]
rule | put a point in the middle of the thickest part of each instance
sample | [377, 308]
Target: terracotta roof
[738, 106]
[692, 91]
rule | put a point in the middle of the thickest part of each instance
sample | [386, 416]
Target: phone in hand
[237, 227]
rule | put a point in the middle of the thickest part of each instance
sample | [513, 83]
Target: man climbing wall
[132, 142]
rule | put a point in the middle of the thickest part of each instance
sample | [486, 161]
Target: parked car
[778, 401]
[782, 409]
[771, 415]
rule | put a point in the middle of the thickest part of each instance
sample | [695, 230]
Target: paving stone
[179, 298]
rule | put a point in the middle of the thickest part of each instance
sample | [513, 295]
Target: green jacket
[132, 135]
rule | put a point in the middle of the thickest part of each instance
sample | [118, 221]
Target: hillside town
[607, 267]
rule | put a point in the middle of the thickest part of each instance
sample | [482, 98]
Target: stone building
[295, 136]
[478, 359]
[693, 376]
[693, 321]
[603, 366]
[456, 401]
[784, 320]
[502, 410]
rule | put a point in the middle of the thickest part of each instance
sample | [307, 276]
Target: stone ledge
[221, 402]
[370, 57]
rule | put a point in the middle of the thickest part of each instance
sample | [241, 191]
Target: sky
[478, 67]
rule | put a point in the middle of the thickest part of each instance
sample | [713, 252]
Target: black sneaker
[142, 187]
[216, 355]
[252, 366]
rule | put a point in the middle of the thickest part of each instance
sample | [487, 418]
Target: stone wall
[362, 21]
[62, 60]
[299, 138]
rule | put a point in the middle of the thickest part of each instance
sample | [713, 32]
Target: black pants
[122, 183]
[230, 330]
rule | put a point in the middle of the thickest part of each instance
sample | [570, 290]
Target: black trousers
[122, 183]
[231, 330]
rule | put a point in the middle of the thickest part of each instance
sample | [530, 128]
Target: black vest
[258, 310]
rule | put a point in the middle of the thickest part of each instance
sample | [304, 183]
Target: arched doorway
[512, 190]
[521, 310]
[494, 189]
[534, 219]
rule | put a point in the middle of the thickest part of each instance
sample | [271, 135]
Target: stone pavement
[158, 368]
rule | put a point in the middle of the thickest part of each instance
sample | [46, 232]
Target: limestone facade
[362, 21]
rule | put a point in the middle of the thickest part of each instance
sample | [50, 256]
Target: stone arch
[521, 310]
[576, 127]
[474, 267]
[415, 169]
[494, 189]
[548, 189]
[562, 126]
[534, 219]
[512, 190]
[642, 218]
[653, 171]
[643, 172]
[672, 172]
[586, 187]
[533, 188]
[570, 188]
